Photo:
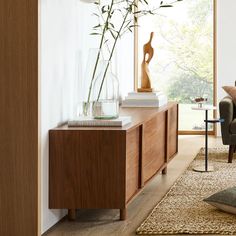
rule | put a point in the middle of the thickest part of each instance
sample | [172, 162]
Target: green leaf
[145, 1]
[112, 25]
[97, 26]
[95, 14]
[104, 9]
[166, 5]
[112, 34]
[95, 33]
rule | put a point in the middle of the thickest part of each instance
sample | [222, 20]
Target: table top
[139, 116]
[204, 108]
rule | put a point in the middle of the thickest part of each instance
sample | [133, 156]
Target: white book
[87, 122]
[144, 95]
[145, 103]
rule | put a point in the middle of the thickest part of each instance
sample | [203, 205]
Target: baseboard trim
[55, 225]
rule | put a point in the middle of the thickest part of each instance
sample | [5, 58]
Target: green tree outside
[190, 47]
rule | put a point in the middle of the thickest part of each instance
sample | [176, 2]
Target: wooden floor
[106, 222]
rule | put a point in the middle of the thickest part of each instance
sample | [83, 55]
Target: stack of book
[87, 122]
[145, 99]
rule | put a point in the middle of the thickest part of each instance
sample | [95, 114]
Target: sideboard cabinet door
[132, 162]
[172, 131]
[154, 137]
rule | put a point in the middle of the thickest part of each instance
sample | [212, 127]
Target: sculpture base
[145, 90]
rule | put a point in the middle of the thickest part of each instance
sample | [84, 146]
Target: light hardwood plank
[19, 117]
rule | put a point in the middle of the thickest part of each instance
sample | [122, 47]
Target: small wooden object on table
[105, 167]
[145, 74]
[206, 108]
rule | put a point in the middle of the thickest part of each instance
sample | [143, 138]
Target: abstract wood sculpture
[145, 74]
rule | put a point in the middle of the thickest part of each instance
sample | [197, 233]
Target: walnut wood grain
[132, 163]
[154, 145]
[19, 117]
[105, 167]
[87, 169]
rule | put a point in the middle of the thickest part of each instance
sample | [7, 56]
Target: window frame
[136, 66]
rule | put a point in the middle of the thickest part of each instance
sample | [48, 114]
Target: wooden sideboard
[106, 167]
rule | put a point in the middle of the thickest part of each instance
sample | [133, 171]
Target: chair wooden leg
[231, 153]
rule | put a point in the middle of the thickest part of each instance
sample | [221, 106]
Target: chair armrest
[227, 113]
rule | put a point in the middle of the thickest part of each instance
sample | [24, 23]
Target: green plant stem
[157, 8]
[98, 55]
[111, 54]
[108, 49]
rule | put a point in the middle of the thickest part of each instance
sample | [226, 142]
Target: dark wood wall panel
[18, 117]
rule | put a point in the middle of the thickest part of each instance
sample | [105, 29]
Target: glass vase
[86, 105]
[105, 93]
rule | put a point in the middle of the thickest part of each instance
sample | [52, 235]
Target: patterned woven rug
[182, 210]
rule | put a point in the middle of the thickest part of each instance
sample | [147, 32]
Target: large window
[183, 62]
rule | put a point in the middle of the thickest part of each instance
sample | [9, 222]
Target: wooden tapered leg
[231, 152]
[123, 214]
[71, 214]
[164, 171]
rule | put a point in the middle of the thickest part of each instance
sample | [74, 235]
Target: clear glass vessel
[86, 105]
[105, 93]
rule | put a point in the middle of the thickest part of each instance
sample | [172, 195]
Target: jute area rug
[182, 210]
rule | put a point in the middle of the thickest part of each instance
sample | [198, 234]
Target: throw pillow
[231, 90]
[224, 200]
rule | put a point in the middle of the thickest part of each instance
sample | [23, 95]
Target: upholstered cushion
[232, 127]
[224, 200]
[231, 90]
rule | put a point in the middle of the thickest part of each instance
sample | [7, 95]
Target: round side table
[206, 108]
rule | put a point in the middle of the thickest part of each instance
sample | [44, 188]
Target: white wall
[226, 45]
[65, 41]
[58, 69]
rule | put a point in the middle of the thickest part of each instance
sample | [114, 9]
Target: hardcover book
[149, 99]
[87, 122]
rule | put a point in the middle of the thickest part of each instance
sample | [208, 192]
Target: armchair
[228, 127]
